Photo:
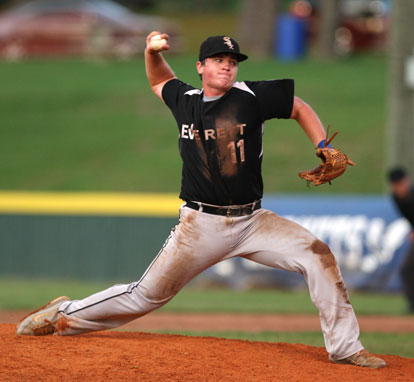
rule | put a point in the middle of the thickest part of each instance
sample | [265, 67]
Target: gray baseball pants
[201, 240]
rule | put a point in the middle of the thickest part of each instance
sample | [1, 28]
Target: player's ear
[200, 67]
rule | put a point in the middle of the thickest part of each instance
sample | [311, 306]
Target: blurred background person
[402, 190]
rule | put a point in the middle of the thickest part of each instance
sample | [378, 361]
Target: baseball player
[220, 142]
[402, 191]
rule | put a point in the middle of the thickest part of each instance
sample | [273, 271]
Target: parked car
[362, 24]
[76, 28]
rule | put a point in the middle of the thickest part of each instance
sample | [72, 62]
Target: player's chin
[226, 83]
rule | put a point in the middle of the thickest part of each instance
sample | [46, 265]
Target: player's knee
[322, 251]
[318, 247]
[158, 295]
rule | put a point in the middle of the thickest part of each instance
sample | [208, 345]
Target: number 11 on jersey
[233, 146]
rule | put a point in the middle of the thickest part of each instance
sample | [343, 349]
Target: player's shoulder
[176, 89]
[176, 84]
[255, 87]
[244, 86]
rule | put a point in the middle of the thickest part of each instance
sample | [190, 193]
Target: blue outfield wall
[365, 233]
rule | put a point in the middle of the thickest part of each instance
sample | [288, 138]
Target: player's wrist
[321, 144]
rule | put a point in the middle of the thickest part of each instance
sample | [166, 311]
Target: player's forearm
[157, 69]
[308, 120]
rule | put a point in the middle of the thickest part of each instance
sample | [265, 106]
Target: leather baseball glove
[333, 164]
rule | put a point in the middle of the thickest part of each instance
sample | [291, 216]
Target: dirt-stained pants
[201, 240]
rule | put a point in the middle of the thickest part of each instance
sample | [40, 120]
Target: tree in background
[328, 22]
[400, 145]
[257, 25]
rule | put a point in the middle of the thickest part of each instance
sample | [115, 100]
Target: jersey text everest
[188, 132]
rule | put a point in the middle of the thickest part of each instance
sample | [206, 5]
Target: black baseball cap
[396, 174]
[214, 45]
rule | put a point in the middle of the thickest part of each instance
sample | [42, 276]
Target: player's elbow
[157, 89]
[299, 108]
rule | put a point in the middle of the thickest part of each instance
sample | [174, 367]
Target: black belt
[246, 209]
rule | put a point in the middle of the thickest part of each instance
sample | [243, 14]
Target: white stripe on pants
[201, 240]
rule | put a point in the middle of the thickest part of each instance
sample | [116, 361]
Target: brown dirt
[134, 356]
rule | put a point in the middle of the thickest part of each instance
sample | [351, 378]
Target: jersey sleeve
[275, 97]
[173, 91]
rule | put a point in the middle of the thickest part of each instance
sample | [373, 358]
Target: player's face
[218, 74]
[401, 188]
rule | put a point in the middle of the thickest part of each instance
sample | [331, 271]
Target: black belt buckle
[233, 211]
[240, 211]
[250, 209]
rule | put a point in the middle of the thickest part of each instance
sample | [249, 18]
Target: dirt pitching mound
[131, 356]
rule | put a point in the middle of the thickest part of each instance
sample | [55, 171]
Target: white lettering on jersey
[209, 133]
[191, 131]
[188, 132]
[241, 127]
[184, 131]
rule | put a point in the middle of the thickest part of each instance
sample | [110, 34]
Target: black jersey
[220, 140]
[406, 206]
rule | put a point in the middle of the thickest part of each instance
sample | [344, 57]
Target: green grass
[78, 125]
[18, 293]
[378, 343]
[276, 301]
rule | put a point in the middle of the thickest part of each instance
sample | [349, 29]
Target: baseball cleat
[42, 321]
[362, 358]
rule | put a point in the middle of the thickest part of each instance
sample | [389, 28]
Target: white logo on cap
[227, 41]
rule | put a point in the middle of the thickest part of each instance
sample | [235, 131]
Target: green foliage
[77, 125]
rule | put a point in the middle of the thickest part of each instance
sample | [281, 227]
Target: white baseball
[157, 42]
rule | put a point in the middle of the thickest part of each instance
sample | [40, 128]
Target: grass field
[29, 294]
[78, 125]
[18, 293]
[379, 343]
